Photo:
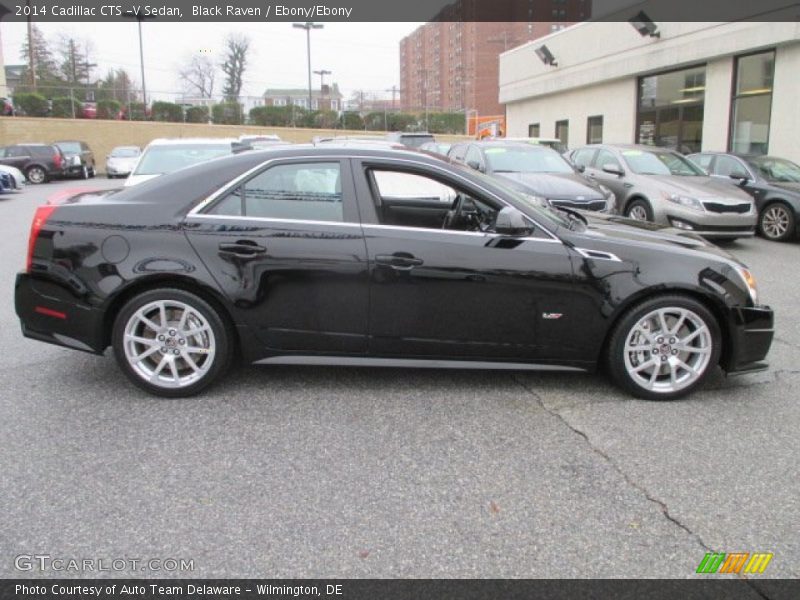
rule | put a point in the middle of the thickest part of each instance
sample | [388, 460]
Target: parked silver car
[122, 161]
[660, 185]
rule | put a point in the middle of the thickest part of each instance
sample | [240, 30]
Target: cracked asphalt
[341, 472]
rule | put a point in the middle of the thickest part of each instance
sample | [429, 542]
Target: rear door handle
[242, 248]
[400, 261]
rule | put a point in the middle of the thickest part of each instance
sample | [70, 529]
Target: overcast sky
[361, 55]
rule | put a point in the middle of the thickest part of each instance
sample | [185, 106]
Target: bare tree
[234, 65]
[199, 75]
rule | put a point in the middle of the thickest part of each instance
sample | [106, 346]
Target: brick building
[451, 63]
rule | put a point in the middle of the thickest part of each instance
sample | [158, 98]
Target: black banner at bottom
[390, 589]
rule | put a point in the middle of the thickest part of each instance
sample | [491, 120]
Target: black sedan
[378, 257]
[536, 170]
[773, 182]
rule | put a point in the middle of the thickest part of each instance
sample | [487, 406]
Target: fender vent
[597, 254]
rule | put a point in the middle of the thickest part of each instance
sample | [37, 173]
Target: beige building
[699, 86]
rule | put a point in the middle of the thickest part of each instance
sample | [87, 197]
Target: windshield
[526, 160]
[158, 160]
[777, 169]
[657, 162]
[531, 205]
[71, 147]
[125, 152]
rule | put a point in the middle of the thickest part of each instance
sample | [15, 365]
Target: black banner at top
[397, 10]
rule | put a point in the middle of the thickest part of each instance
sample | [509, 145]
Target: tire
[36, 174]
[92, 172]
[168, 370]
[776, 222]
[639, 210]
[84, 172]
[661, 367]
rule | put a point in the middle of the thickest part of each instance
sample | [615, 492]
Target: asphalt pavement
[346, 472]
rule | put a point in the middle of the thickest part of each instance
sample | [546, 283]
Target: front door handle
[242, 248]
[401, 261]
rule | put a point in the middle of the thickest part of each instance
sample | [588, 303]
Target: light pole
[322, 73]
[141, 17]
[308, 26]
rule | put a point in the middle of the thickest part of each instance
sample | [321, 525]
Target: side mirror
[740, 177]
[474, 164]
[511, 221]
[581, 168]
[613, 169]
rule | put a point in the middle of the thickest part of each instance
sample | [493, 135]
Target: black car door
[454, 292]
[286, 246]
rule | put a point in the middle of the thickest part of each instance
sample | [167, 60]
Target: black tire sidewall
[616, 361]
[34, 169]
[222, 337]
[789, 231]
[644, 204]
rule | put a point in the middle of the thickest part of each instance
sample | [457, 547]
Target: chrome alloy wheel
[668, 350]
[169, 344]
[638, 213]
[775, 221]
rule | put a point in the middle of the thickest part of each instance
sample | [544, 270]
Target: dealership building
[690, 86]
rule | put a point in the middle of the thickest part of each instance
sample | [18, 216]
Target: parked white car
[164, 156]
[17, 175]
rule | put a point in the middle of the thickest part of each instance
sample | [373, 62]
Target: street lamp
[322, 73]
[308, 26]
[140, 16]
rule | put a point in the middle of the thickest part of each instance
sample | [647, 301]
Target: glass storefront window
[670, 109]
[752, 103]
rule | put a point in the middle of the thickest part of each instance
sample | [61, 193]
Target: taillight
[57, 160]
[39, 219]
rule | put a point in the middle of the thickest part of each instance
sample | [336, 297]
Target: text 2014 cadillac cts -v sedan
[321, 255]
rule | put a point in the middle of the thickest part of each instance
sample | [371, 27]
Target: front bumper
[49, 313]
[708, 223]
[750, 335]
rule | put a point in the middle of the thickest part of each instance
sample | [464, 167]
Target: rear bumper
[49, 313]
[751, 330]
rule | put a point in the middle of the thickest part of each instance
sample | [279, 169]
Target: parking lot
[323, 472]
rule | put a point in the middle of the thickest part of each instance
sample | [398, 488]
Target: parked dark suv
[39, 162]
[79, 158]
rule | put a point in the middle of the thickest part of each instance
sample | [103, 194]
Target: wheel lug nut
[674, 352]
[172, 332]
[182, 341]
[175, 352]
[663, 358]
[672, 340]
[161, 338]
[660, 340]
[163, 349]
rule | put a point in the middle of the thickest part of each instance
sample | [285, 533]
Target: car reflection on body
[370, 256]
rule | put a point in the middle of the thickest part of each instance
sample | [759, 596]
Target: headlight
[76, 160]
[686, 201]
[749, 282]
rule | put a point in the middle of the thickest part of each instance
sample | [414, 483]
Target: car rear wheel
[85, 172]
[776, 222]
[639, 210]
[171, 343]
[36, 174]
[664, 348]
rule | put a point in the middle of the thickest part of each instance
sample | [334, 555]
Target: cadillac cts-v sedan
[322, 256]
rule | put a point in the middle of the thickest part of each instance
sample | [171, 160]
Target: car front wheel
[639, 210]
[171, 343]
[776, 222]
[664, 348]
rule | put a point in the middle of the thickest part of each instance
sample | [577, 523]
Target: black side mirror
[474, 164]
[740, 177]
[581, 168]
[511, 221]
[613, 169]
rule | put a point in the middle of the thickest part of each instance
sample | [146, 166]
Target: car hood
[612, 228]
[122, 161]
[700, 187]
[555, 186]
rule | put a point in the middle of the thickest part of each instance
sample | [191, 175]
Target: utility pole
[395, 90]
[31, 54]
[308, 26]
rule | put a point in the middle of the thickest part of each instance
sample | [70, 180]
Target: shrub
[197, 114]
[31, 104]
[227, 113]
[108, 109]
[63, 107]
[167, 111]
